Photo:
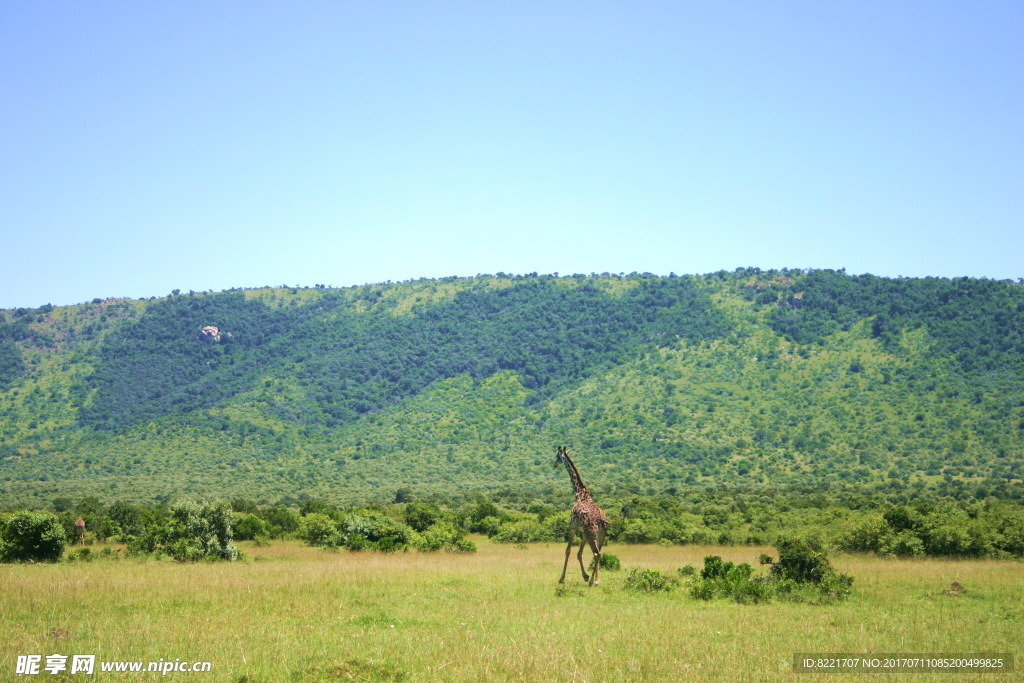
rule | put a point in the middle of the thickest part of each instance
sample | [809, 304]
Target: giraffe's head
[560, 456]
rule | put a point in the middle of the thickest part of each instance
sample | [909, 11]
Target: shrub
[903, 544]
[649, 581]
[724, 579]
[249, 527]
[318, 529]
[489, 526]
[463, 545]
[80, 555]
[31, 537]
[865, 535]
[556, 528]
[803, 562]
[639, 531]
[280, 520]
[802, 573]
[143, 544]
[610, 562]
[421, 516]
[715, 567]
[444, 536]
[523, 531]
[200, 531]
[375, 531]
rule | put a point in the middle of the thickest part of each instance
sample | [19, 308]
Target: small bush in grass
[724, 579]
[649, 581]
[801, 574]
[608, 561]
[804, 561]
[80, 555]
[463, 545]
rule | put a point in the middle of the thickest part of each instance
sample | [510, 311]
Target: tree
[318, 529]
[249, 528]
[31, 537]
[198, 531]
[421, 516]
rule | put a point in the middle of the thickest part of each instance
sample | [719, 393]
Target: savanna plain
[289, 612]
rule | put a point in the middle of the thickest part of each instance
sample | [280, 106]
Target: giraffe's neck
[578, 487]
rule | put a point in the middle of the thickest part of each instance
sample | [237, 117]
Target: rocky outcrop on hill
[210, 334]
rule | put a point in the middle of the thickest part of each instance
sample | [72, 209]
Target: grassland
[289, 613]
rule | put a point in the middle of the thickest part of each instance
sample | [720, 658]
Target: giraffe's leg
[568, 549]
[579, 556]
[595, 546]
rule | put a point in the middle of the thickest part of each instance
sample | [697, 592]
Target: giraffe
[587, 519]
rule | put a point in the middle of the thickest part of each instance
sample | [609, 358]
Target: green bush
[804, 563]
[556, 528]
[199, 531]
[802, 574]
[463, 545]
[421, 516]
[489, 526]
[638, 531]
[80, 555]
[318, 529]
[523, 531]
[444, 536]
[610, 562]
[375, 531]
[31, 537]
[724, 579]
[649, 581]
[249, 527]
[902, 544]
[143, 544]
[865, 535]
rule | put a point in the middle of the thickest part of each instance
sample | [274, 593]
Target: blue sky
[199, 146]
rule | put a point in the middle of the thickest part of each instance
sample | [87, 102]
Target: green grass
[289, 612]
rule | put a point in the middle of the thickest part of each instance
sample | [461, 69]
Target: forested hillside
[818, 382]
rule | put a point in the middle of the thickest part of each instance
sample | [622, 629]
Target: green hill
[752, 380]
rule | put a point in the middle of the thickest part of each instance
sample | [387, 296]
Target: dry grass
[295, 613]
